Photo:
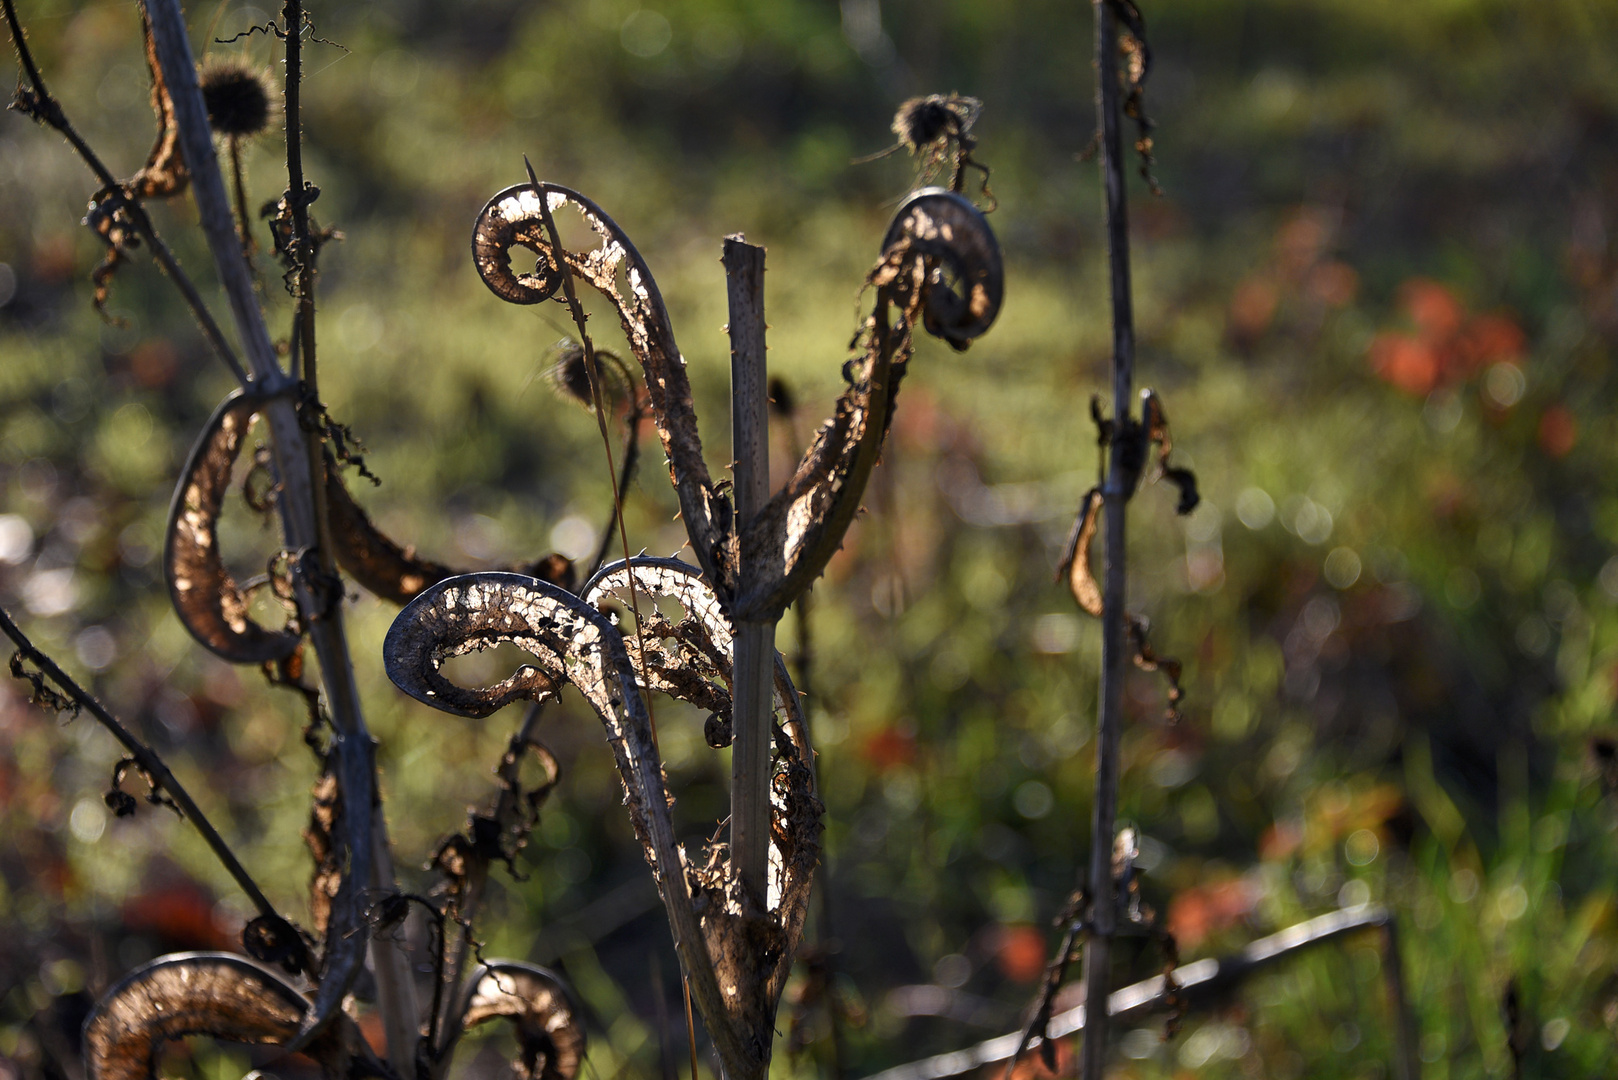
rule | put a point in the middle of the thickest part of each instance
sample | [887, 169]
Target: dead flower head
[240, 97]
[570, 376]
[923, 121]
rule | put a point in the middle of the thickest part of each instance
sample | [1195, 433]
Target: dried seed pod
[966, 284]
[207, 599]
[239, 97]
[514, 218]
[227, 997]
[922, 121]
[550, 1027]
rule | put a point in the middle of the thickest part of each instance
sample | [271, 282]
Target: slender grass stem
[49, 111]
[146, 759]
[1121, 474]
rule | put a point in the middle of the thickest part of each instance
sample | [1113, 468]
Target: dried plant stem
[319, 594]
[396, 987]
[50, 112]
[1201, 984]
[146, 759]
[626, 473]
[1121, 474]
[751, 693]
[446, 1026]
[243, 222]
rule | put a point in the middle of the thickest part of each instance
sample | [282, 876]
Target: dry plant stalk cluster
[736, 909]
[939, 270]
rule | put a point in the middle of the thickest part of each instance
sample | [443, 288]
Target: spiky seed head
[239, 97]
[571, 379]
[922, 121]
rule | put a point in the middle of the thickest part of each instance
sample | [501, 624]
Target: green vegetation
[1377, 297]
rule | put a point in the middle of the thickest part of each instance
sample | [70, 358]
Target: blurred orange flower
[1448, 345]
[1211, 907]
[1019, 952]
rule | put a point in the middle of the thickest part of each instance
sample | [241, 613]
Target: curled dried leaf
[164, 173]
[548, 1020]
[473, 612]
[514, 218]
[385, 568]
[205, 596]
[737, 963]
[1148, 660]
[1156, 423]
[42, 693]
[227, 997]
[1075, 564]
[965, 278]
[940, 264]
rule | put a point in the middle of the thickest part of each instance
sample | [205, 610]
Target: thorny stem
[626, 473]
[49, 111]
[243, 223]
[146, 759]
[1120, 484]
[396, 988]
[751, 686]
[318, 595]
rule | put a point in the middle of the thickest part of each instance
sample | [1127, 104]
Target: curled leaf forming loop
[206, 598]
[737, 961]
[966, 281]
[227, 997]
[513, 218]
[547, 1016]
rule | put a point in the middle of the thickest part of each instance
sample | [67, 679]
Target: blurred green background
[1378, 296]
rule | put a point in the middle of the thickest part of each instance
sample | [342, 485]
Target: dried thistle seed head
[570, 376]
[240, 98]
[922, 121]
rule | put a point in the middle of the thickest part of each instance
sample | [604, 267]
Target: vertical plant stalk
[1121, 475]
[395, 986]
[752, 709]
[297, 463]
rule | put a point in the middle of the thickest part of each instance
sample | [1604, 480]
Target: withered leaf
[1075, 565]
[940, 263]
[513, 218]
[227, 997]
[1156, 423]
[205, 596]
[164, 173]
[965, 281]
[479, 611]
[748, 955]
[689, 659]
[546, 1015]
[383, 567]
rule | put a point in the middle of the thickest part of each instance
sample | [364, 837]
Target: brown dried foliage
[206, 597]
